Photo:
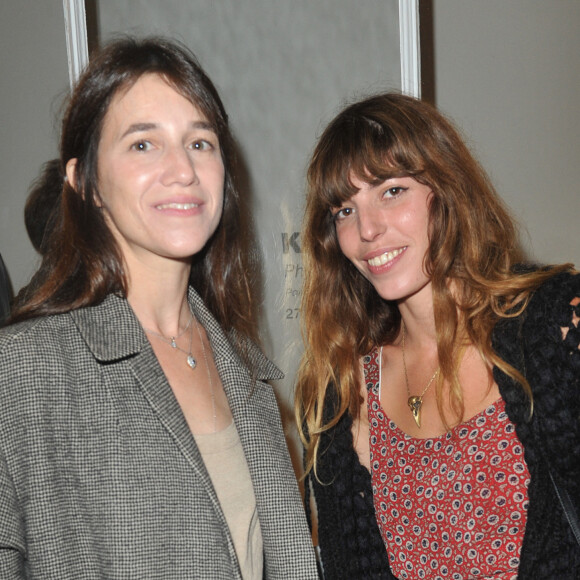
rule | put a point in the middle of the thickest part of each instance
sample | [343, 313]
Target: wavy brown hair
[473, 243]
[81, 262]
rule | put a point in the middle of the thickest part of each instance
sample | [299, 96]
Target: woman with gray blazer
[138, 437]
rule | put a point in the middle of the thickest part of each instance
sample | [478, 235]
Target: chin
[401, 292]
[188, 248]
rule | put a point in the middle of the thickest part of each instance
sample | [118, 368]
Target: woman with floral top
[439, 391]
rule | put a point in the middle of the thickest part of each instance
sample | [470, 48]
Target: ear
[71, 177]
[71, 172]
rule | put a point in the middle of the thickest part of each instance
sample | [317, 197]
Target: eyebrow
[141, 127]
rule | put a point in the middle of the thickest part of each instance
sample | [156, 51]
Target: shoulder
[39, 350]
[36, 359]
[554, 297]
[108, 329]
[542, 343]
[552, 307]
[260, 365]
[36, 348]
[30, 335]
[551, 332]
[550, 324]
[233, 345]
[550, 321]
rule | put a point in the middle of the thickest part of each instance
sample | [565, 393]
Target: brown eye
[394, 191]
[202, 145]
[141, 146]
[343, 213]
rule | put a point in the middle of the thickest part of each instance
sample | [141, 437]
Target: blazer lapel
[257, 421]
[113, 332]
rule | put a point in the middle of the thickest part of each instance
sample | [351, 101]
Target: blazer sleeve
[11, 529]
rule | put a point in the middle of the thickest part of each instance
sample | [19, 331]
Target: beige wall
[34, 79]
[508, 71]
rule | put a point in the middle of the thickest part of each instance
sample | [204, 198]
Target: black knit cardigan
[350, 543]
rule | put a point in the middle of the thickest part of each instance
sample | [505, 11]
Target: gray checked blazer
[100, 476]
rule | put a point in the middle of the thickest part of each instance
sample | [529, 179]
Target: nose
[370, 223]
[179, 167]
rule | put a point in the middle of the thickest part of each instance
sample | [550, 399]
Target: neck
[419, 320]
[159, 298]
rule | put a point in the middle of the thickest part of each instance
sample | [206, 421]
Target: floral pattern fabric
[451, 507]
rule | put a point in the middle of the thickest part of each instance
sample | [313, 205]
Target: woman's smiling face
[383, 230]
[160, 172]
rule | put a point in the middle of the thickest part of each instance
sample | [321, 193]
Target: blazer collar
[112, 332]
[222, 348]
[110, 329]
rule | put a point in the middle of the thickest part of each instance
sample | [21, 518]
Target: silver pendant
[191, 361]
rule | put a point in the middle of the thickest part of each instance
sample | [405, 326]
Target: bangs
[361, 148]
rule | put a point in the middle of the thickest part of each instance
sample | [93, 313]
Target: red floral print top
[450, 507]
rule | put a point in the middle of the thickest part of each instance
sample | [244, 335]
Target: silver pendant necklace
[190, 359]
[172, 342]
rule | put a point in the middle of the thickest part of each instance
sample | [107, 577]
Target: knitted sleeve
[552, 356]
[543, 344]
[351, 547]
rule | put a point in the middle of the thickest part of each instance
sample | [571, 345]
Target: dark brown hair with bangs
[473, 242]
[81, 262]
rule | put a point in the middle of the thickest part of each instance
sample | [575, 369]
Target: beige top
[226, 464]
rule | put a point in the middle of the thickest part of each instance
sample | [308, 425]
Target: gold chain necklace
[415, 402]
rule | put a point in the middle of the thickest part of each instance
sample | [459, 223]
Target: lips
[385, 258]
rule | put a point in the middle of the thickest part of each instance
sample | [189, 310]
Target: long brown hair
[81, 262]
[473, 242]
